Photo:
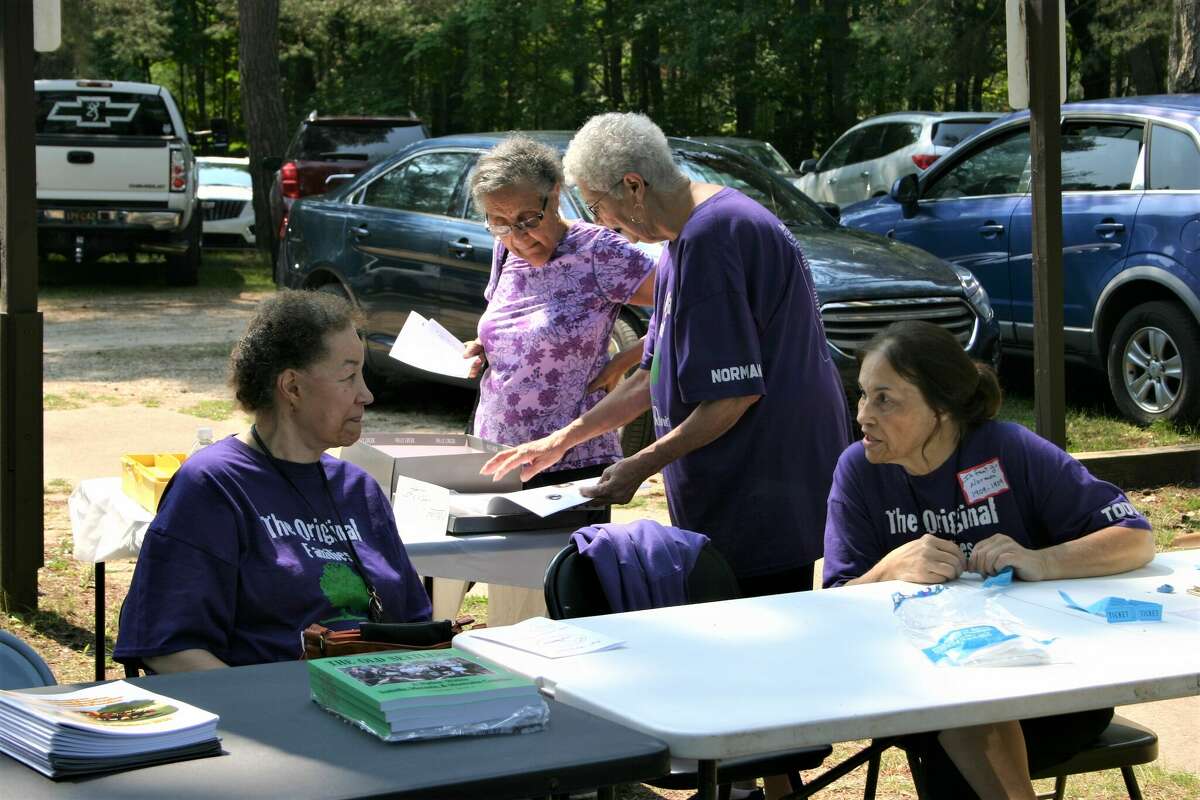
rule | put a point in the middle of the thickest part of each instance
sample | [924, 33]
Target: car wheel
[184, 269]
[1154, 363]
[640, 432]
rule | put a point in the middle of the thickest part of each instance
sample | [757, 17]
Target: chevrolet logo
[92, 111]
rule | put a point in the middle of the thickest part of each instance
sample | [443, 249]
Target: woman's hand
[474, 349]
[929, 559]
[999, 551]
[532, 457]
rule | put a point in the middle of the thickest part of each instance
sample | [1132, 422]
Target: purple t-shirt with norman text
[545, 333]
[236, 562]
[736, 314]
[1002, 478]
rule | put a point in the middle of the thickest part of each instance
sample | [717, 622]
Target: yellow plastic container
[145, 475]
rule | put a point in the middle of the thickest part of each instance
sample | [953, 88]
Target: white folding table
[754, 676]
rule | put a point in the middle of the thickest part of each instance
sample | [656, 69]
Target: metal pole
[1049, 395]
[20, 323]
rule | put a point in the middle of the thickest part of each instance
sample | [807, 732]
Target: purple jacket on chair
[641, 564]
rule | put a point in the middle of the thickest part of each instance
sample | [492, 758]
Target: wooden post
[20, 322]
[1049, 395]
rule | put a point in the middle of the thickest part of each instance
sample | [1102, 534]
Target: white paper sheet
[426, 344]
[543, 501]
[548, 638]
[422, 509]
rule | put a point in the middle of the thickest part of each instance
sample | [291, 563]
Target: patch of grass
[247, 271]
[238, 271]
[151, 402]
[57, 486]
[56, 402]
[1092, 429]
[475, 606]
[219, 410]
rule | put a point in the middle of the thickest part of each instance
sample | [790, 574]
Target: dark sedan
[405, 235]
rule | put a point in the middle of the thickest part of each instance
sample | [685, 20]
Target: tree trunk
[1095, 62]
[1184, 60]
[262, 102]
[1146, 67]
[613, 44]
[745, 95]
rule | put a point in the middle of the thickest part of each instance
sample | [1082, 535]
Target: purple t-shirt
[736, 314]
[237, 563]
[1002, 478]
[545, 333]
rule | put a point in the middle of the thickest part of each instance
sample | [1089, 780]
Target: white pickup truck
[115, 174]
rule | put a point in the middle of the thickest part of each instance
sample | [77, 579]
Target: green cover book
[414, 679]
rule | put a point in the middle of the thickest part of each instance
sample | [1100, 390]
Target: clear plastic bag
[966, 626]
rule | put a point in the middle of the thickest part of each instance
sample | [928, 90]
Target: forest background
[796, 73]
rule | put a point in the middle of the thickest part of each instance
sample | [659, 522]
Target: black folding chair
[573, 589]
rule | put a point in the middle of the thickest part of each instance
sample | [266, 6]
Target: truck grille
[849, 326]
[222, 209]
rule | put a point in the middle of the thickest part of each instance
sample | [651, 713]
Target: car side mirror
[808, 165]
[906, 191]
[271, 164]
[338, 179]
[832, 210]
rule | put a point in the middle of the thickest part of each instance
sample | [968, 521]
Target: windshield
[103, 112]
[224, 175]
[368, 143]
[781, 197]
[766, 155]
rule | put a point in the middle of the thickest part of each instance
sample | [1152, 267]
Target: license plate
[83, 215]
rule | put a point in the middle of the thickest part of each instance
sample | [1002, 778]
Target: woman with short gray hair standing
[555, 291]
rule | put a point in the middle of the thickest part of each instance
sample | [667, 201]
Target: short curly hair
[609, 146]
[516, 161]
[287, 332]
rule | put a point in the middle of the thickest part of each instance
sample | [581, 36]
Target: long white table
[744, 677]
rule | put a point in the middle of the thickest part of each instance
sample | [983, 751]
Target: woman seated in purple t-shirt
[937, 487]
[262, 534]
[554, 294]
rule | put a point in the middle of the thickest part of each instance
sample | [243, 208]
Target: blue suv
[1131, 239]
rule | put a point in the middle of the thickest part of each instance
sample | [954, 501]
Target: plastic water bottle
[204, 437]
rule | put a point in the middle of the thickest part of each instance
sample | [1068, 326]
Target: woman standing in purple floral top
[555, 291]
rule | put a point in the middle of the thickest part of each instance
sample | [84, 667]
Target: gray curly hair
[610, 145]
[516, 161]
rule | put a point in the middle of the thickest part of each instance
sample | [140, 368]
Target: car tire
[1154, 363]
[640, 432]
[184, 269]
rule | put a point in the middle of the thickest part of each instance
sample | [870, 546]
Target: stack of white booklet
[543, 501]
[103, 728]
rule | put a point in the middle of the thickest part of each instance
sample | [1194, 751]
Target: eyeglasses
[595, 204]
[527, 224]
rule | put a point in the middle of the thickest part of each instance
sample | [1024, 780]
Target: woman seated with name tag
[262, 534]
[936, 487]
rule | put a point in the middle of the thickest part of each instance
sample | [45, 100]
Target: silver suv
[869, 157]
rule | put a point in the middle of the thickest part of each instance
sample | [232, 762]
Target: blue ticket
[1119, 609]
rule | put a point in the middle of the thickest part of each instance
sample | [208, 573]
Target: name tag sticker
[984, 481]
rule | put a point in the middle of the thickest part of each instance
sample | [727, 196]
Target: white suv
[115, 174]
[869, 157]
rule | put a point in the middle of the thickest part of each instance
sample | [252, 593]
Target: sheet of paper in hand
[543, 501]
[427, 345]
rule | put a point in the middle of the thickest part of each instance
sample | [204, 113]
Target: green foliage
[795, 72]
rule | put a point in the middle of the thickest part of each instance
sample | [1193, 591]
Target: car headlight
[977, 296]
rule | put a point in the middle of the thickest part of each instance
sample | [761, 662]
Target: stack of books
[103, 728]
[426, 694]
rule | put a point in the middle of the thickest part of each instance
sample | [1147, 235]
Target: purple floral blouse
[545, 334]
